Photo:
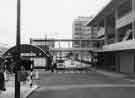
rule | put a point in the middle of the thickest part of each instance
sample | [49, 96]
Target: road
[82, 85]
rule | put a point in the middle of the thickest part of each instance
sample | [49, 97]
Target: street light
[17, 56]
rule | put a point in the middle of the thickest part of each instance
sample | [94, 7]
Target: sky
[41, 18]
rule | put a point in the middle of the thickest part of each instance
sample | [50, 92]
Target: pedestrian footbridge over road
[74, 49]
[81, 49]
[66, 45]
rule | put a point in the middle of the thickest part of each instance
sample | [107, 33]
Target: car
[60, 63]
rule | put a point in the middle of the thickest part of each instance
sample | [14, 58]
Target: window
[124, 8]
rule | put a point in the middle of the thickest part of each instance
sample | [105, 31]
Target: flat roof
[108, 9]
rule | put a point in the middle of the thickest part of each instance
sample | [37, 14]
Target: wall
[126, 62]
[106, 60]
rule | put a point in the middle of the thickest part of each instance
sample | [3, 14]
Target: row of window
[124, 8]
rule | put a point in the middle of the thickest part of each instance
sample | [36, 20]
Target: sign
[39, 62]
[28, 54]
[22, 75]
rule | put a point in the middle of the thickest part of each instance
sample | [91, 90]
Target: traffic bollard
[37, 75]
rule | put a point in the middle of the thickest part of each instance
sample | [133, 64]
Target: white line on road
[130, 80]
[65, 87]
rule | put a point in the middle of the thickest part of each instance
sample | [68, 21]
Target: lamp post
[17, 56]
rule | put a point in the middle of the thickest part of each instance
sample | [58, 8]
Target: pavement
[130, 77]
[111, 74]
[70, 84]
[90, 84]
[25, 89]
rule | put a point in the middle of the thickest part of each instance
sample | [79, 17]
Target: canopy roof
[27, 49]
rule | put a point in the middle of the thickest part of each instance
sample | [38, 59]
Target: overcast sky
[44, 17]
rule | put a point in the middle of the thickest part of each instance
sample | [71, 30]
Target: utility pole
[17, 55]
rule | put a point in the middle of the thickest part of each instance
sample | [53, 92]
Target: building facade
[81, 31]
[3, 48]
[115, 23]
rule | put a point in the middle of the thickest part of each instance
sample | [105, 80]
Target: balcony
[119, 46]
[125, 20]
[101, 32]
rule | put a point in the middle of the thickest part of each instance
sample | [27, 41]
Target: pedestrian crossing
[71, 72]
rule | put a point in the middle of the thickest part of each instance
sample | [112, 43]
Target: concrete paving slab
[90, 85]
[29, 92]
[25, 91]
[111, 74]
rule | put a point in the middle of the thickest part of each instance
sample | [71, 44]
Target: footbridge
[74, 49]
[68, 45]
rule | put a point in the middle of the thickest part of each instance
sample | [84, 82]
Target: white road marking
[72, 72]
[130, 80]
[66, 87]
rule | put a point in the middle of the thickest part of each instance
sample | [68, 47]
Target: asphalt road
[82, 85]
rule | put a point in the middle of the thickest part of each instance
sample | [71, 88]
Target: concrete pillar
[86, 43]
[133, 21]
[92, 32]
[69, 44]
[80, 43]
[133, 30]
[117, 62]
[116, 30]
[59, 44]
[30, 41]
[105, 26]
[37, 74]
[133, 25]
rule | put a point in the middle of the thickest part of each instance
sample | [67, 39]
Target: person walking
[52, 67]
[2, 79]
[55, 65]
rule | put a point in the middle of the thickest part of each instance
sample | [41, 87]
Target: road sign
[22, 75]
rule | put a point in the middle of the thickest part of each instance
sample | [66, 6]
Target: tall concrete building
[3, 48]
[116, 25]
[81, 31]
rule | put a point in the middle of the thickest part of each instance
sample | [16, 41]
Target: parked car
[60, 63]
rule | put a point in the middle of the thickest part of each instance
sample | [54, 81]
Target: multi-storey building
[3, 48]
[116, 24]
[81, 31]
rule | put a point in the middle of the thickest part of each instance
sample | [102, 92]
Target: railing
[74, 49]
